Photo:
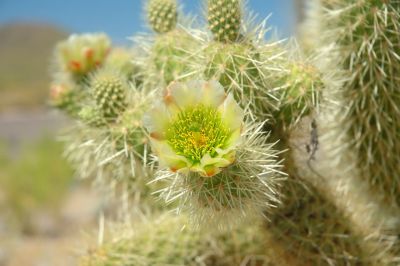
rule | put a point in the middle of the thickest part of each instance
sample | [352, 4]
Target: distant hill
[25, 56]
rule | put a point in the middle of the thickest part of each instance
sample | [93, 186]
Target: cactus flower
[195, 128]
[63, 95]
[80, 54]
[58, 93]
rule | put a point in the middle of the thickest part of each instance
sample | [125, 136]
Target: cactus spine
[109, 90]
[165, 240]
[300, 90]
[169, 49]
[368, 38]
[224, 18]
[162, 15]
[237, 60]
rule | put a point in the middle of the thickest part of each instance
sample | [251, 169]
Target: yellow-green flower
[195, 128]
[80, 54]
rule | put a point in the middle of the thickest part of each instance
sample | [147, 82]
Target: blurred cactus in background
[225, 148]
[81, 54]
[368, 44]
[162, 15]
[224, 18]
[109, 91]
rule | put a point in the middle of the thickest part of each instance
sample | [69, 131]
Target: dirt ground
[56, 241]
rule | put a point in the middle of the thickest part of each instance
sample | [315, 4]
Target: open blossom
[80, 54]
[195, 128]
[58, 93]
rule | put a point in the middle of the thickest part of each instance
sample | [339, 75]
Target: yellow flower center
[197, 131]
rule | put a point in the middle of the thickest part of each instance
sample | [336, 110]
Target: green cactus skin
[128, 134]
[308, 228]
[116, 169]
[169, 53]
[312, 231]
[240, 69]
[65, 97]
[375, 222]
[116, 156]
[92, 116]
[224, 19]
[299, 88]
[169, 58]
[368, 38]
[109, 90]
[239, 61]
[162, 15]
[165, 240]
[124, 61]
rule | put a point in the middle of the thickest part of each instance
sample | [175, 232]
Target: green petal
[168, 157]
[210, 166]
[213, 93]
[231, 113]
[217, 161]
[156, 121]
[184, 94]
[233, 141]
[210, 93]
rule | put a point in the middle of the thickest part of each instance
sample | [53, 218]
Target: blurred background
[43, 208]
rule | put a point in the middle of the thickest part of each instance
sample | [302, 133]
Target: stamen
[197, 131]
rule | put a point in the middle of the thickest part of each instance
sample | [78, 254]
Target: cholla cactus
[162, 15]
[240, 69]
[196, 128]
[300, 89]
[170, 56]
[115, 154]
[124, 61]
[109, 89]
[368, 45]
[167, 53]
[215, 128]
[197, 133]
[165, 240]
[308, 230]
[64, 97]
[92, 116]
[240, 61]
[81, 54]
[224, 18]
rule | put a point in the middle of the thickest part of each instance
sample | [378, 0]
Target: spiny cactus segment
[165, 240]
[109, 89]
[368, 38]
[92, 116]
[171, 55]
[300, 93]
[162, 15]
[239, 69]
[224, 19]
[123, 61]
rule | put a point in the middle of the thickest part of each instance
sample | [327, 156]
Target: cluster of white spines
[109, 91]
